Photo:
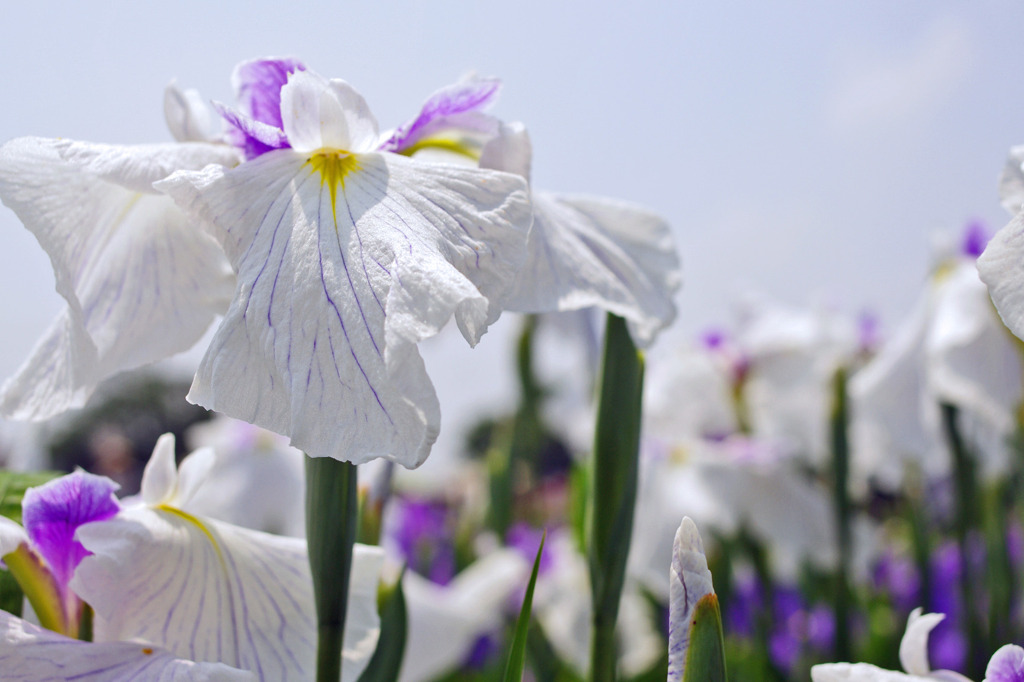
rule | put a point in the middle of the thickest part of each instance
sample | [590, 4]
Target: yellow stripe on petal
[333, 167]
[174, 511]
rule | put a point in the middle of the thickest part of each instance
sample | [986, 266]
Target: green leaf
[613, 488]
[332, 510]
[517, 654]
[386, 662]
[11, 596]
[13, 485]
[705, 659]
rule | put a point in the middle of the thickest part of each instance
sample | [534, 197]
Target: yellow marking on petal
[173, 511]
[464, 147]
[147, 651]
[333, 166]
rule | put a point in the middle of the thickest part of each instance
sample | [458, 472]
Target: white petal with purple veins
[30, 654]
[345, 262]
[208, 591]
[141, 282]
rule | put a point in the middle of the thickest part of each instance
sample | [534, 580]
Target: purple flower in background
[976, 238]
[947, 646]
[526, 539]
[422, 531]
[743, 607]
[897, 576]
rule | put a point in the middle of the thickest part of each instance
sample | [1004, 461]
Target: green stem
[614, 483]
[332, 509]
[842, 512]
[966, 522]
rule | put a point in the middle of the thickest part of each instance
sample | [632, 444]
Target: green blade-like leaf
[517, 654]
[13, 485]
[705, 659]
[386, 662]
[11, 596]
[613, 489]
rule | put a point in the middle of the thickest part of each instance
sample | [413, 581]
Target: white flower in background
[209, 591]
[913, 658]
[257, 480]
[793, 356]
[562, 605]
[446, 620]
[141, 281]
[347, 256]
[953, 349]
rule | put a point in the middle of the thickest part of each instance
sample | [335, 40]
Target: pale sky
[806, 150]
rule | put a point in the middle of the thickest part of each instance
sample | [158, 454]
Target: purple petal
[1006, 665]
[251, 136]
[52, 512]
[258, 86]
[447, 108]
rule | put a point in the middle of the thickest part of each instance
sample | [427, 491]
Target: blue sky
[806, 150]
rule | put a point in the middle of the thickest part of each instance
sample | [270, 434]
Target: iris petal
[345, 262]
[30, 654]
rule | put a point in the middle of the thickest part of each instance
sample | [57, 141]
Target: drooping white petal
[140, 281]
[914, 645]
[589, 251]
[318, 113]
[445, 621]
[344, 263]
[29, 653]
[208, 591]
[689, 582]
